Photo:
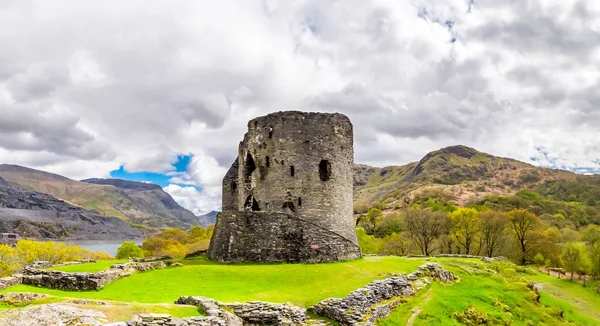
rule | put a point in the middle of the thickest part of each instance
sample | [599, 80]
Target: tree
[198, 232]
[523, 224]
[594, 250]
[465, 227]
[370, 222]
[397, 244]
[129, 250]
[493, 227]
[574, 257]
[425, 227]
[368, 243]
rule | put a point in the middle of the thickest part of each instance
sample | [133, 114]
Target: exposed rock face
[84, 281]
[377, 299]
[150, 198]
[290, 165]
[37, 215]
[52, 315]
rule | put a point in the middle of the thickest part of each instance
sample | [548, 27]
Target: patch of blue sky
[161, 179]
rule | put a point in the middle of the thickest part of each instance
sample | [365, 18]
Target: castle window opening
[299, 201]
[234, 186]
[292, 170]
[267, 161]
[324, 170]
[250, 166]
[271, 132]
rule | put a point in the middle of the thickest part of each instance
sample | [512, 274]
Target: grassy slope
[503, 298]
[302, 285]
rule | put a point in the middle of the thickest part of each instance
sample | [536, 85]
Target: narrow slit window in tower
[299, 201]
[324, 170]
[267, 161]
[292, 172]
[270, 132]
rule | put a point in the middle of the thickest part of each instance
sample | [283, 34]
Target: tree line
[517, 234]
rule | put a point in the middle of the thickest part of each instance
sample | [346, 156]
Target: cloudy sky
[161, 90]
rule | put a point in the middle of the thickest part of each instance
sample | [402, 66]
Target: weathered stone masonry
[288, 195]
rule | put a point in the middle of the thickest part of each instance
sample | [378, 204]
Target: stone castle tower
[288, 196]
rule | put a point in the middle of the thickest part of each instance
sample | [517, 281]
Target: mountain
[150, 199]
[37, 215]
[461, 175]
[141, 204]
[208, 218]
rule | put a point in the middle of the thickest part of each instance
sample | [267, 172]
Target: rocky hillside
[134, 202]
[149, 199]
[37, 215]
[459, 173]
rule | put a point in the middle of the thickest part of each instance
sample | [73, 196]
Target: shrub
[129, 250]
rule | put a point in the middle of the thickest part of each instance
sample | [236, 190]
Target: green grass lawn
[500, 295]
[89, 268]
[496, 291]
[301, 284]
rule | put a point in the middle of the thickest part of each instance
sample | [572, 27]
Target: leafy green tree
[523, 224]
[594, 250]
[370, 221]
[129, 250]
[466, 227]
[368, 243]
[574, 257]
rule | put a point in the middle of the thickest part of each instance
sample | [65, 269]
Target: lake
[108, 247]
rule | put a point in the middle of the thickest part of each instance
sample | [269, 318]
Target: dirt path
[418, 309]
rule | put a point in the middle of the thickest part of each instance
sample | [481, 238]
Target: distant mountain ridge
[461, 172]
[38, 215]
[137, 203]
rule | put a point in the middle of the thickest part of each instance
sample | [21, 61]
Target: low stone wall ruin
[7, 282]
[84, 281]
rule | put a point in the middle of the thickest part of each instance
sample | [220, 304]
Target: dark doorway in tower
[251, 204]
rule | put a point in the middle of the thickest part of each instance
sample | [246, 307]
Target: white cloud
[199, 202]
[86, 87]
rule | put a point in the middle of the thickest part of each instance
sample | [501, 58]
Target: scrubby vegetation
[28, 251]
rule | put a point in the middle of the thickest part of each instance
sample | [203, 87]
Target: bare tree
[523, 224]
[425, 227]
[493, 227]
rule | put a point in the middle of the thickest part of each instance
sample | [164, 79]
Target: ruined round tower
[288, 195]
